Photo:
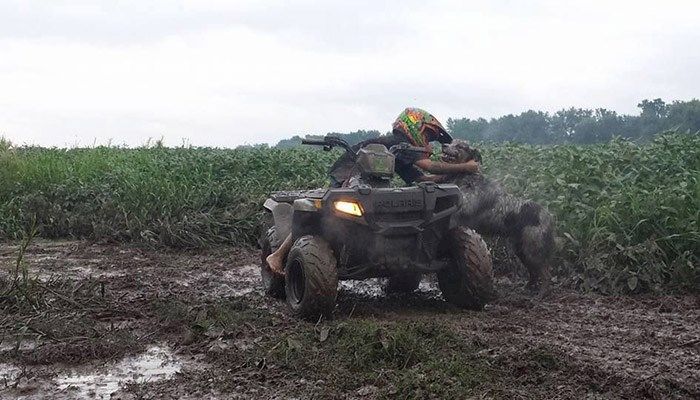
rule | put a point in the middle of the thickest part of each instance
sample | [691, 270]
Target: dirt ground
[119, 321]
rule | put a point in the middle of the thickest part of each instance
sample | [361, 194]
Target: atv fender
[282, 216]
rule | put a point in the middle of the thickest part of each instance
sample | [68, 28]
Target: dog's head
[459, 152]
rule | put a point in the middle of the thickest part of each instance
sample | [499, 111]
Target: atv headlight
[348, 207]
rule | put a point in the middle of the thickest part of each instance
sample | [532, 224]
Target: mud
[117, 321]
[157, 363]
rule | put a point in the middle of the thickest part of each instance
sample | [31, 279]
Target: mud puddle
[157, 363]
[18, 345]
[374, 288]
[242, 280]
[235, 281]
[53, 265]
[8, 374]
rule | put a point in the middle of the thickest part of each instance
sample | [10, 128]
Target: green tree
[564, 123]
[468, 129]
[684, 116]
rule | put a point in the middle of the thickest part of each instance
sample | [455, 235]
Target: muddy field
[117, 321]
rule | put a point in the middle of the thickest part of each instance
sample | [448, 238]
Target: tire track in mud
[644, 345]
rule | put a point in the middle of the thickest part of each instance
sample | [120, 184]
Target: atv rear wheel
[273, 283]
[468, 280]
[311, 278]
[404, 283]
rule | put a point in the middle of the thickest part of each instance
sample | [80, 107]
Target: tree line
[572, 125]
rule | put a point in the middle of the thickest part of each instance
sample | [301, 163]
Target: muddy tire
[468, 281]
[273, 284]
[311, 278]
[405, 283]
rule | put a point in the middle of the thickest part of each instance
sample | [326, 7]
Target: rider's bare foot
[275, 264]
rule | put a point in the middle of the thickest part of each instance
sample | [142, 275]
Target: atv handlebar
[329, 142]
[405, 147]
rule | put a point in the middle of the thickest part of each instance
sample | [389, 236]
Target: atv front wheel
[468, 280]
[404, 283]
[273, 283]
[311, 278]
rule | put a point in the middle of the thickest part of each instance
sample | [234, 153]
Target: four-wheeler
[372, 229]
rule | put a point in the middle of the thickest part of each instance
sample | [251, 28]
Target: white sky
[224, 73]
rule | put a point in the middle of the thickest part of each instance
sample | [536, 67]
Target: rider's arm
[439, 167]
[411, 174]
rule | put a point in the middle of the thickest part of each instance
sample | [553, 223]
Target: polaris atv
[371, 229]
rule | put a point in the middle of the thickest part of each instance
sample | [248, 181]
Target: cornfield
[627, 213]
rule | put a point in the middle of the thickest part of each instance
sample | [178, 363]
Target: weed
[19, 289]
[400, 345]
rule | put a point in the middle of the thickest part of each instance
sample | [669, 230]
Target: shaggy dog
[490, 210]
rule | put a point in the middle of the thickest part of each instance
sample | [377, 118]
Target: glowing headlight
[348, 207]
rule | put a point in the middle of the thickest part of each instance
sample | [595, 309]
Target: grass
[409, 359]
[627, 213]
[404, 358]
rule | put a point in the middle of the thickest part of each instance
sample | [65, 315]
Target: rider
[414, 127]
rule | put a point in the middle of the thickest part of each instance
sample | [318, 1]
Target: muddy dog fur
[490, 210]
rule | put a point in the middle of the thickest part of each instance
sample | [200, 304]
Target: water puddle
[19, 345]
[242, 280]
[429, 286]
[242, 292]
[87, 271]
[8, 374]
[157, 363]
[46, 268]
[371, 288]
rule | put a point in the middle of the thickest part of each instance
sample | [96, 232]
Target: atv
[372, 230]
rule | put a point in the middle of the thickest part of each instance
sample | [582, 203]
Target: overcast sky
[224, 73]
